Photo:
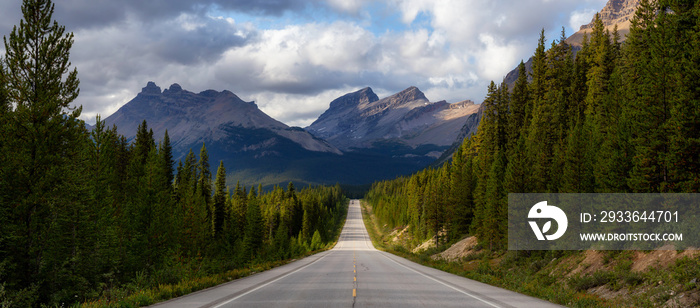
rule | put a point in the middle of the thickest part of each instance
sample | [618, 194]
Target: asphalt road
[354, 274]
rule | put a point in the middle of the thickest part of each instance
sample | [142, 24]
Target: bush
[585, 282]
[316, 242]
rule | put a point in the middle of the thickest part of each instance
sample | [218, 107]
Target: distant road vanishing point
[354, 274]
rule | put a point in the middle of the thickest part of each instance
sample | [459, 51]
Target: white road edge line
[262, 286]
[442, 283]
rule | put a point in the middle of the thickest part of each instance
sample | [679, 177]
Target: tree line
[85, 212]
[612, 118]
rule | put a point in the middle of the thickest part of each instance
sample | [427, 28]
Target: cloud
[347, 6]
[115, 61]
[297, 109]
[497, 56]
[77, 14]
[293, 57]
[301, 59]
[581, 17]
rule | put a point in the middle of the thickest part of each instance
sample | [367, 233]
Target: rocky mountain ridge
[615, 13]
[360, 120]
[195, 118]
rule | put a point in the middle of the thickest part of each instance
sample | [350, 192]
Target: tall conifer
[220, 199]
[42, 145]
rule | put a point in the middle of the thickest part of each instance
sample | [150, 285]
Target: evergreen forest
[87, 215]
[611, 118]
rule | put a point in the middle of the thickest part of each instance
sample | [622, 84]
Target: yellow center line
[354, 292]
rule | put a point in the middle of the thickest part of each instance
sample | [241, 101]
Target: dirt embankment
[459, 250]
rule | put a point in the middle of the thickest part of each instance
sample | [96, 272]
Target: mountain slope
[203, 117]
[469, 128]
[405, 123]
[255, 148]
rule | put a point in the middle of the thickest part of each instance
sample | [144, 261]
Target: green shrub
[585, 282]
[316, 242]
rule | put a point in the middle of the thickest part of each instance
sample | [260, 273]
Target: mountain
[615, 12]
[403, 124]
[255, 148]
[207, 116]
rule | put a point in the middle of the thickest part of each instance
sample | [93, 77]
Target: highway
[354, 274]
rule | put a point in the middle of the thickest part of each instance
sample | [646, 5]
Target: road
[354, 274]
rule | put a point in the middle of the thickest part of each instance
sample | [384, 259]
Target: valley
[358, 140]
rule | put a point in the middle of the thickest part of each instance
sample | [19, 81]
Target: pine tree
[538, 86]
[579, 90]
[461, 194]
[540, 144]
[492, 227]
[157, 211]
[5, 107]
[541, 139]
[240, 208]
[684, 122]
[204, 185]
[193, 216]
[253, 227]
[517, 172]
[415, 203]
[220, 199]
[560, 75]
[577, 169]
[649, 83]
[104, 190]
[142, 145]
[167, 158]
[599, 72]
[520, 110]
[296, 211]
[42, 145]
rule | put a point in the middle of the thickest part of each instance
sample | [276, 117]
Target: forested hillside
[614, 118]
[86, 215]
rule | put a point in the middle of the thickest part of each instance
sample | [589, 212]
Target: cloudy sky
[293, 57]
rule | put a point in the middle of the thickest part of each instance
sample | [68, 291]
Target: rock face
[615, 12]
[341, 113]
[470, 127]
[360, 120]
[194, 118]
